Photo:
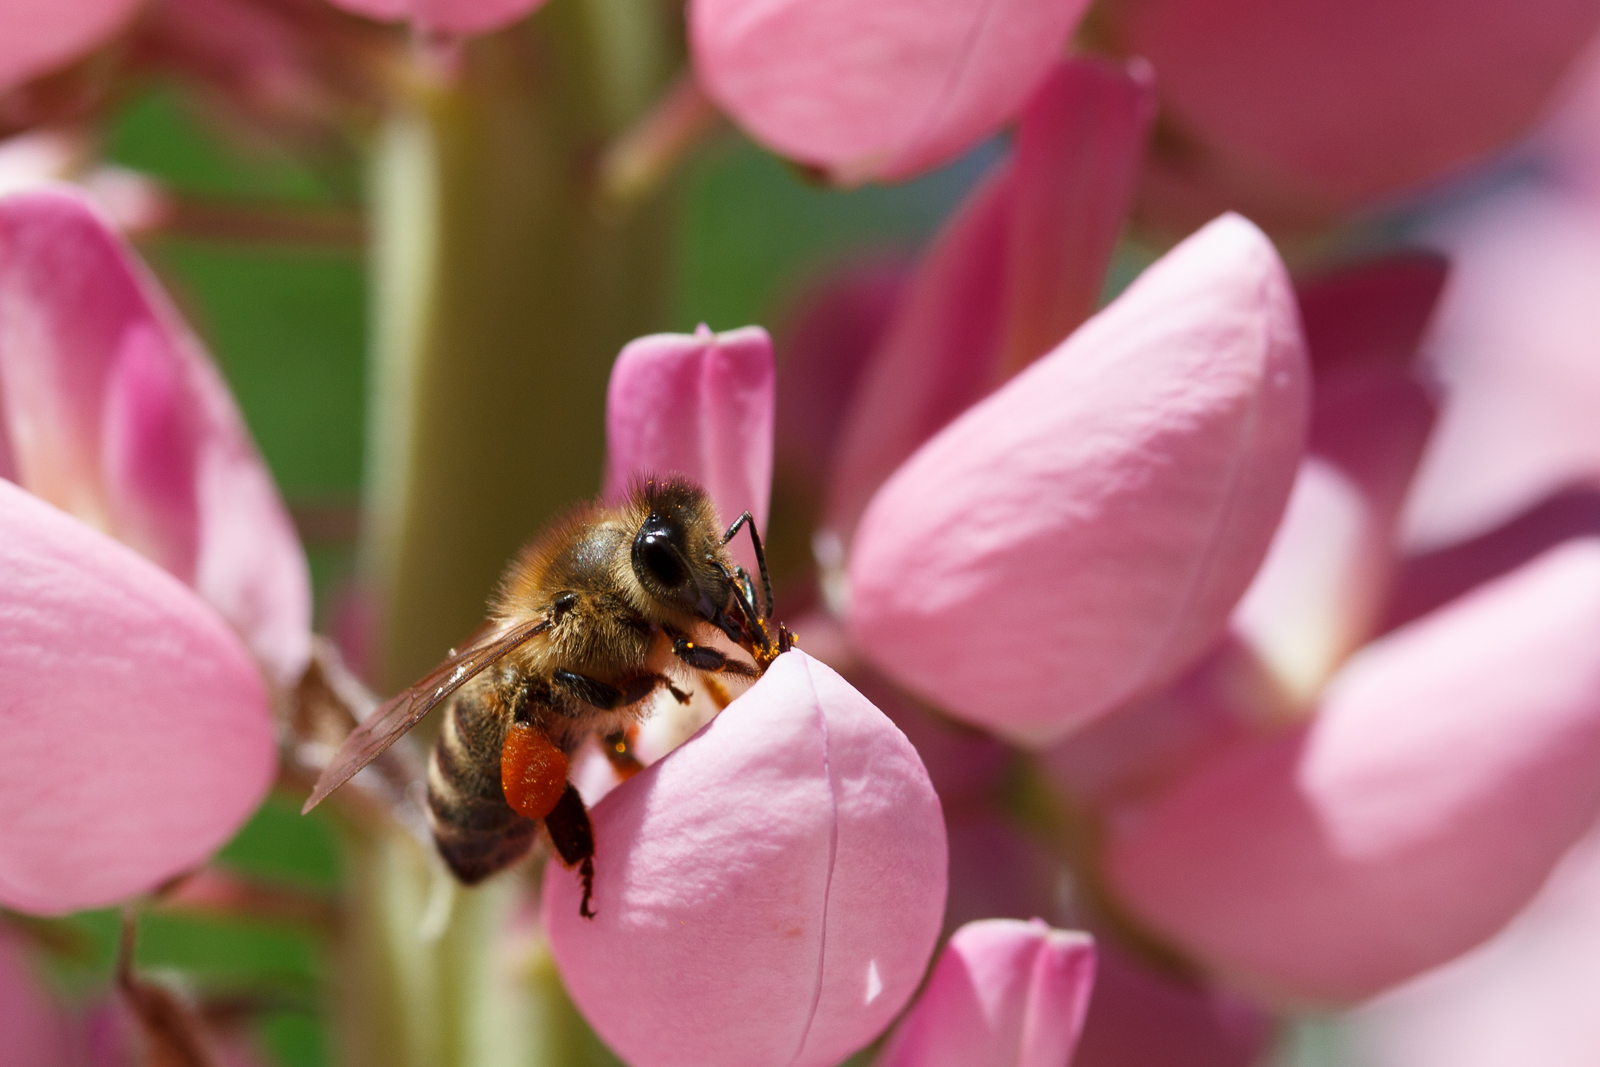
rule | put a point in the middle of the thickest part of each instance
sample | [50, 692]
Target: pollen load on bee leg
[477, 832]
[533, 771]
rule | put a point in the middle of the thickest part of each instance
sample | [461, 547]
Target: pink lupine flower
[1297, 112]
[1081, 536]
[1447, 769]
[1005, 993]
[1333, 823]
[768, 893]
[37, 39]
[875, 88]
[775, 883]
[1015, 271]
[141, 736]
[1525, 996]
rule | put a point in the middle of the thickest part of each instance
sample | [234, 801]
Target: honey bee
[591, 618]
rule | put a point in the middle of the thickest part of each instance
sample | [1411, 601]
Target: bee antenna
[761, 558]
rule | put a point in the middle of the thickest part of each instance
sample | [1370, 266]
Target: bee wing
[403, 711]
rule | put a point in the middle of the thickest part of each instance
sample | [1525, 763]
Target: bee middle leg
[573, 837]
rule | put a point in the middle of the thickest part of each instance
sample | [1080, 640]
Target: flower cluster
[1171, 664]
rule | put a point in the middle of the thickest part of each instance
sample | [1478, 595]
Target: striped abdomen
[475, 829]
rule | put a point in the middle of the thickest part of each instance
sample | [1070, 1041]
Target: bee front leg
[573, 837]
[707, 659]
[608, 697]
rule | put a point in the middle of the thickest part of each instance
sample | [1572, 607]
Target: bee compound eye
[662, 564]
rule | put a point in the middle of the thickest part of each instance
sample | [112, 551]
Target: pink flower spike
[137, 726]
[453, 17]
[699, 405]
[768, 894]
[1005, 993]
[1449, 767]
[875, 88]
[38, 38]
[115, 413]
[1080, 537]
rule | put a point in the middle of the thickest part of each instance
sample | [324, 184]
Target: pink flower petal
[1019, 267]
[1005, 993]
[1514, 348]
[1525, 996]
[1139, 1018]
[115, 413]
[445, 16]
[35, 1031]
[1372, 315]
[137, 730]
[37, 38]
[768, 894]
[1080, 536]
[699, 405]
[1320, 593]
[1450, 766]
[1079, 147]
[1301, 107]
[875, 88]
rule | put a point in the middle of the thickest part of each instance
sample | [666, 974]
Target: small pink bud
[699, 405]
[1005, 993]
[768, 894]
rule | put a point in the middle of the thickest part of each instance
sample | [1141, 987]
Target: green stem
[500, 297]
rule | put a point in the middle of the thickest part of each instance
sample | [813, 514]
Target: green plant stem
[501, 297]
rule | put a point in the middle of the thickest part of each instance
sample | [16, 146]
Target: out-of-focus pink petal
[35, 1033]
[37, 38]
[836, 329]
[1080, 536]
[1525, 996]
[116, 414]
[1019, 267]
[46, 156]
[999, 871]
[1321, 590]
[1079, 146]
[444, 16]
[699, 405]
[1372, 316]
[1139, 1018]
[767, 894]
[137, 730]
[1299, 107]
[1514, 346]
[1431, 579]
[875, 88]
[1450, 766]
[1005, 993]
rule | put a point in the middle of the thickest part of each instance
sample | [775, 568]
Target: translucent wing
[401, 712]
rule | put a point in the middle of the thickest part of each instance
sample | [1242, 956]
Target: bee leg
[619, 751]
[707, 659]
[761, 556]
[573, 838]
[605, 696]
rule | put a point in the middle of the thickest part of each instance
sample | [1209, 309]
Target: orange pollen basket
[533, 772]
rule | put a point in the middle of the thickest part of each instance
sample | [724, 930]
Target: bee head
[675, 550]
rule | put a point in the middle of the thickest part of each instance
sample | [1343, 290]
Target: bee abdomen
[476, 831]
